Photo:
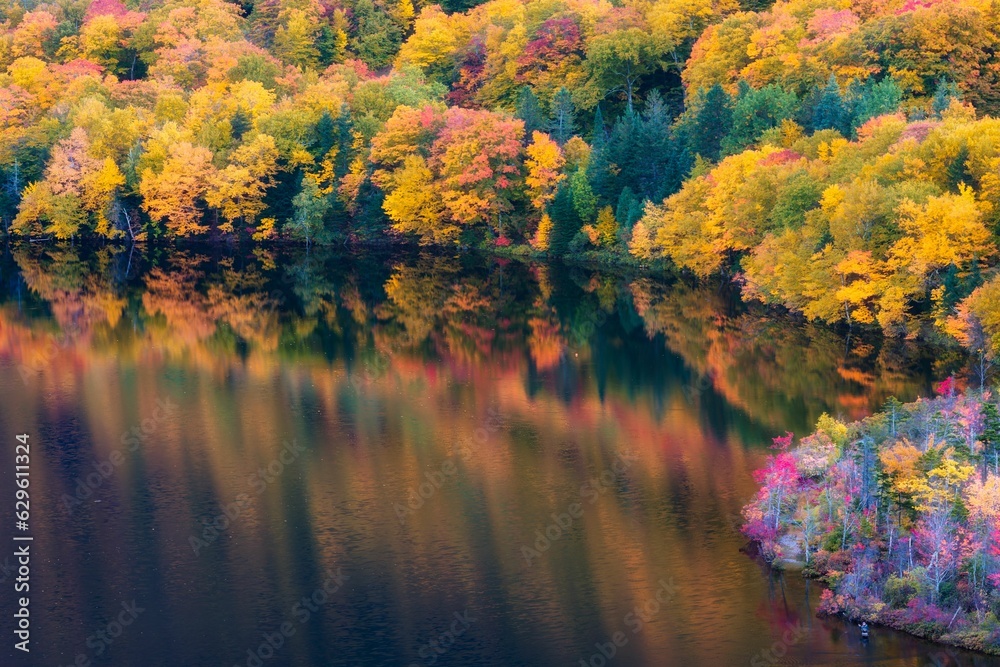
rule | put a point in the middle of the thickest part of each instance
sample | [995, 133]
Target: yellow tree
[35, 207]
[861, 282]
[606, 228]
[944, 483]
[99, 192]
[173, 194]
[76, 185]
[31, 33]
[295, 39]
[414, 205]
[946, 230]
[544, 164]
[101, 41]
[543, 235]
[982, 499]
[901, 465]
[238, 190]
[436, 37]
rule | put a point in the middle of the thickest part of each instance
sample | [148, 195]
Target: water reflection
[307, 458]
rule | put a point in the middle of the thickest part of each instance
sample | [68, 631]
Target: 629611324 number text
[22, 541]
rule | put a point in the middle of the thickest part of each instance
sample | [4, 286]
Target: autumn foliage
[899, 513]
[836, 159]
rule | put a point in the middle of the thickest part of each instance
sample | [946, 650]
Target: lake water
[309, 458]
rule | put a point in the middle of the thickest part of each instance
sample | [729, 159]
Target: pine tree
[656, 146]
[344, 133]
[712, 121]
[376, 37]
[872, 99]
[629, 209]
[600, 134]
[958, 170]
[829, 113]
[990, 438]
[755, 112]
[895, 414]
[599, 168]
[530, 111]
[628, 152]
[563, 123]
[945, 92]
[325, 134]
[565, 220]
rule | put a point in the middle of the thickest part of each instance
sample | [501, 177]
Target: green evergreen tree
[530, 111]
[755, 112]
[599, 136]
[945, 92]
[829, 112]
[895, 415]
[629, 209]
[565, 221]
[990, 438]
[344, 132]
[710, 123]
[627, 152]
[325, 135]
[602, 180]
[376, 36]
[657, 119]
[563, 122]
[870, 99]
[958, 170]
[239, 125]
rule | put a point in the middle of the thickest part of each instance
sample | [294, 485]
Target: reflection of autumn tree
[180, 315]
[771, 365]
[545, 342]
[416, 296]
[80, 293]
[590, 302]
[239, 300]
[480, 317]
[187, 305]
[471, 317]
[315, 292]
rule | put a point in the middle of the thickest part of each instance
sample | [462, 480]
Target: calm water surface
[412, 460]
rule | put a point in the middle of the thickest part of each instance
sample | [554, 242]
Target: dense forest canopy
[898, 514]
[839, 158]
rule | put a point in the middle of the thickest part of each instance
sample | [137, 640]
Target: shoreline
[521, 252]
[895, 515]
[793, 566]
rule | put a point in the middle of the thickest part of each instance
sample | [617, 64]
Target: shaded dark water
[312, 459]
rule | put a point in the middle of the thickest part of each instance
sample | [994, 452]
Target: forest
[835, 162]
[898, 513]
[838, 159]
